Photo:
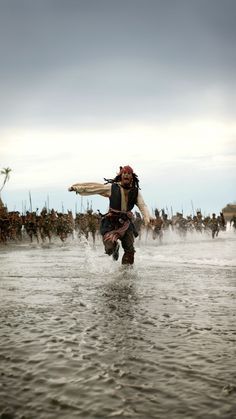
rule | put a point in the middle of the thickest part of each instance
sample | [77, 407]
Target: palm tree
[6, 172]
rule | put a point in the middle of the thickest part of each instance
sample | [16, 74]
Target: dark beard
[129, 186]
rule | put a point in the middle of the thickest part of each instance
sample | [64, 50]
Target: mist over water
[80, 336]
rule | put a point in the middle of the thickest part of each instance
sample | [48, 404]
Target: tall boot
[128, 258]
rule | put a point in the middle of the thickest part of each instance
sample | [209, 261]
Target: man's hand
[151, 223]
[146, 222]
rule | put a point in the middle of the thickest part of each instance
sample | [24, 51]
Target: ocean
[83, 337]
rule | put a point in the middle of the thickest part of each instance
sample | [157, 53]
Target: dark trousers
[127, 242]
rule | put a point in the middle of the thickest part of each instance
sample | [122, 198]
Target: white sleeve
[143, 208]
[92, 188]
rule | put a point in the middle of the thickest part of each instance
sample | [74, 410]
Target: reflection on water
[83, 337]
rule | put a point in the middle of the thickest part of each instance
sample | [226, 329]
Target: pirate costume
[117, 223]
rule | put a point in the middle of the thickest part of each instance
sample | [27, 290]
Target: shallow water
[81, 337]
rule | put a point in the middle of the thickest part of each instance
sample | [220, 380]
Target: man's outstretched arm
[91, 188]
[144, 209]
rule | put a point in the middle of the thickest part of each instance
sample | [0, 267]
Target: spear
[30, 199]
[192, 207]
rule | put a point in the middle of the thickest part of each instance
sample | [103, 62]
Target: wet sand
[80, 337]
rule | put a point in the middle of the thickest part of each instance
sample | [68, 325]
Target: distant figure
[198, 222]
[138, 222]
[233, 221]
[123, 193]
[222, 222]
[214, 225]
[157, 226]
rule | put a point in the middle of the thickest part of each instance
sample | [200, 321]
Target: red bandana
[126, 169]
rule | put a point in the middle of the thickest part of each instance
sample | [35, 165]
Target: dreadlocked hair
[118, 179]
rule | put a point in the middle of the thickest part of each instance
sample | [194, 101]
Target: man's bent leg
[128, 246]
[109, 246]
[128, 258]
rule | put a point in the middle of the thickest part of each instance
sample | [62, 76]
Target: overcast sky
[87, 86]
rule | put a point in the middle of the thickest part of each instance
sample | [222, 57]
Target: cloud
[87, 86]
[87, 64]
[48, 157]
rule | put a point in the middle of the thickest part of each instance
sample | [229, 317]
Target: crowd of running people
[47, 224]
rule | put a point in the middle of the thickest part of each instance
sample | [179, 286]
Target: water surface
[81, 337]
